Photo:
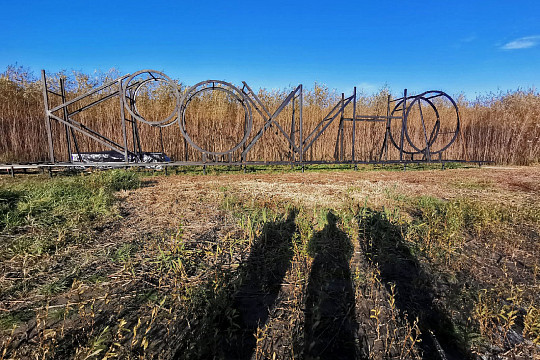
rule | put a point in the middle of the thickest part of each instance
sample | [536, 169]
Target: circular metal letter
[161, 77]
[215, 85]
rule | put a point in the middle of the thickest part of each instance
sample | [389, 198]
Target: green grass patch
[124, 252]
[283, 169]
[61, 202]
[116, 180]
[15, 318]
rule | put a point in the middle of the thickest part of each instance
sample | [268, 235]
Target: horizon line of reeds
[502, 127]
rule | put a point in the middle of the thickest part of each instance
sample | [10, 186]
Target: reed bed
[503, 127]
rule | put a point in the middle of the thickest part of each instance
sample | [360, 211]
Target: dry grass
[374, 265]
[500, 127]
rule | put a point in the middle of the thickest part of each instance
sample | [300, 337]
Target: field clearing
[331, 264]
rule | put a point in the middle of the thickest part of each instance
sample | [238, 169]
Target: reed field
[502, 127]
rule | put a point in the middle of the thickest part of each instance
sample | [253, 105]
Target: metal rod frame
[127, 87]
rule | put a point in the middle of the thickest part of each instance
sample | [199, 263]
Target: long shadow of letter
[330, 326]
[385, 248]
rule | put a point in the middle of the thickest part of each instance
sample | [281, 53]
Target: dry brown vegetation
[502, 127]
[340, 264]
[337, 264]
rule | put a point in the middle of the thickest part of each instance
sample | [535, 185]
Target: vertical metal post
[427, 153]
[136, 138]
[47, 118]
[403, 124]
[341, 130]
[204, 159]
[73, 137]
[132, 121]
[134, 133]
[293, 157]
[76, 145]
[161, 139]
[123, 116]
[354, 130]
[300, 134]
[384, 147]
[388, 126]
[242, 155]
[442, 162]
[66, 117]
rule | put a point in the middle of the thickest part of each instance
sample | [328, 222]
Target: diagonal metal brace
[263, 111]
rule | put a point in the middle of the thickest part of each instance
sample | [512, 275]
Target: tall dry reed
[502, 127]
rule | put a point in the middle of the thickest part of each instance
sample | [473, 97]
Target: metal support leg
[123, 116]
[47, 118]
[403, 124]
[66, 118]
[341, 130]
[300, 134]
[354, 131]
[292, 135]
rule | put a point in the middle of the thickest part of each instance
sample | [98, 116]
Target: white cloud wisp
[522, 43]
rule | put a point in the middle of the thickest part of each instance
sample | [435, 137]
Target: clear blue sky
[457, 46]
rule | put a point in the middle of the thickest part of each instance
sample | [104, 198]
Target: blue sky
[471, 47]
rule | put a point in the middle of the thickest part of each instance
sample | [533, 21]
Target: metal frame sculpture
[127, 88]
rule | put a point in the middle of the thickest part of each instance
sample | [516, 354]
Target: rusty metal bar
[388, 128]
[91, 92]
[403, 125]
[293, 157]
[301, 134]
[373, 118]
[86, 133]
[47, 117]
[328, 122]
[427, 153]
[271, 121]
[353, 154]
[259, 102]
[97, 102]
[66, 117]
[342, 130]
[328, 117]
[123, 116]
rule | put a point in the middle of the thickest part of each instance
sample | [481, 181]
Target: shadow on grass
[330, 328]
[261, 279]
[385, 248]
